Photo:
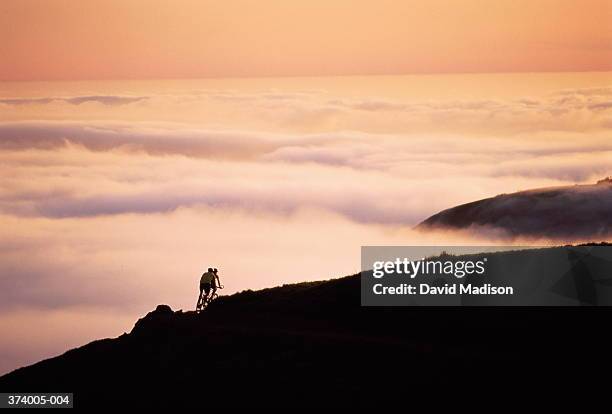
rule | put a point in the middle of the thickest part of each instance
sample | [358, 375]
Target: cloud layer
[309, 111]
[60, 170]
[111, 100]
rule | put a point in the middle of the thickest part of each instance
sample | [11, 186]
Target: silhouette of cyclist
[209, 281]
[206, 282]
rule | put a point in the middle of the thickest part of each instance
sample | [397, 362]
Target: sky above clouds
[136, 39]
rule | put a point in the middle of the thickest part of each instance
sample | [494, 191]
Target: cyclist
[207, 281]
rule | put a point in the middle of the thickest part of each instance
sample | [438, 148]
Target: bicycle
[203, 304]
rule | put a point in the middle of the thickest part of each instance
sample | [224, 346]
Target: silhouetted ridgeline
[312, 344]
[567, 213]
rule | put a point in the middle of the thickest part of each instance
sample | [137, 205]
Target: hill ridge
[312, 343]
[568, 213]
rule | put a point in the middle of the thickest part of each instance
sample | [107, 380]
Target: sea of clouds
[111, 204]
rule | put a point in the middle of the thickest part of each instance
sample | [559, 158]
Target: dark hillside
[311, 343]
[564, 213]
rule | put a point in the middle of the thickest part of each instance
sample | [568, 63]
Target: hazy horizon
[119, 39]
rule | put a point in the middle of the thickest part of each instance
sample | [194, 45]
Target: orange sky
[118, 39]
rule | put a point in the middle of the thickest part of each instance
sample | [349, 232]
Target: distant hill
[568, 213]
[310, 344]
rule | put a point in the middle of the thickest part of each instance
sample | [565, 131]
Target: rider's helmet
[210, 269]
[215, 270]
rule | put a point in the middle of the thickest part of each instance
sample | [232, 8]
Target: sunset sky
[134, 39]
[143, 141]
